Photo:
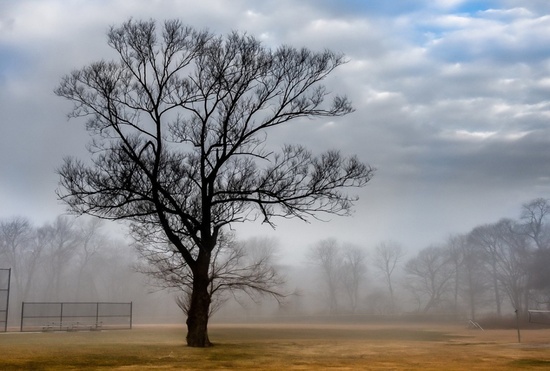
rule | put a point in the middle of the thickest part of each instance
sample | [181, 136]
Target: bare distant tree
[91, 241]
[509, 256]
[387, 255]
[514, 257]
[534, 221]
[354, 269]
[179, 125]
[486, 237]
[19, 251]
[116, 278]
[428, 276]
[327, 257]
[456, 246]
[539, 278]
[534, 216]
[476, 280]
[61, 242]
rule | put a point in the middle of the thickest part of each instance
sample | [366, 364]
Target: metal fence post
[131, 314]
[8, 300]
[22, 312]
[5, 289]
[61, 318]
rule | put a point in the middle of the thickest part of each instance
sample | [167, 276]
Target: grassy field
[280, 347]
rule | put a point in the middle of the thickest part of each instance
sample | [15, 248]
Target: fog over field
[452, 102]
[485, 274]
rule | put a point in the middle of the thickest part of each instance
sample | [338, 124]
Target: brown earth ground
[281, 347]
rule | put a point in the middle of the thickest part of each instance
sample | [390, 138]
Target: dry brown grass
[281, 347]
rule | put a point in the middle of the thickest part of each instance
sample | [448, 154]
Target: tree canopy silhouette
[179, 126]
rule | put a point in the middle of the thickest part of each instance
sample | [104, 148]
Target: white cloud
[507, 14]
[475, 135]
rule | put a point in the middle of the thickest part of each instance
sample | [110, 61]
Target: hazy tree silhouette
[486, 238]
[19, 252]
[354, 270]
[387, 256]
[428, 276]
[326, 255]
[179, 126]
[236, 266]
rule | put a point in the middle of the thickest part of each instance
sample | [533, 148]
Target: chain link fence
[75, 316]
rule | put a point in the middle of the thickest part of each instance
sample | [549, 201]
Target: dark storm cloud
[360, 8]
[489, 160]
[538, 6]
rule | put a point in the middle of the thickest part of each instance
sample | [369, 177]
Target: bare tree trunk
[495, 288]
[429, 304]
[392, 299]
[197, 319]
[456, 289]
[471, 296]
[199, 309]
[333, 298]
[472, 307]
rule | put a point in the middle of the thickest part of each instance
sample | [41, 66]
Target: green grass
[276, 347]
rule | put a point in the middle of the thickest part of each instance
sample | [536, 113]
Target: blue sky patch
[474, 6]
[11, 60]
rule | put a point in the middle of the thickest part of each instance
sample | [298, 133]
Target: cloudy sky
[452, 103]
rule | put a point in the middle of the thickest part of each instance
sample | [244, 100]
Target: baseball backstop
[75, 316]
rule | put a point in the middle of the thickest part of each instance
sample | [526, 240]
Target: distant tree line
[77, 259]
[67, 260]
[496, 269]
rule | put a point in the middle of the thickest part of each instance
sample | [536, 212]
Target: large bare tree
[179, 127]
